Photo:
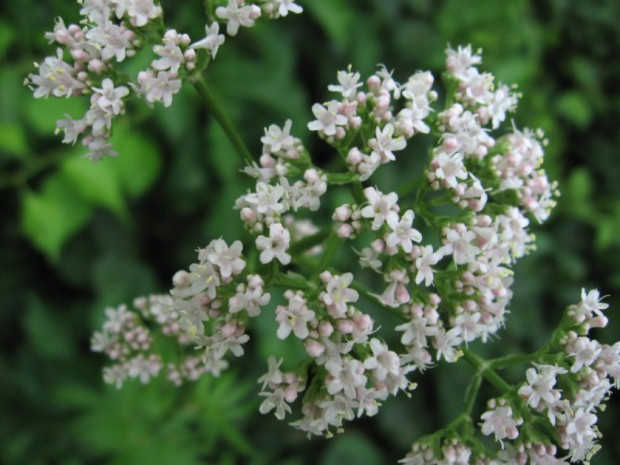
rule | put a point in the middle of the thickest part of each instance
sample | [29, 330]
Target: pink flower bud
[344, 231]
[314, 348]
[374, 83]
[345, 326]
[342, 213]
[325, 277]
[96, 66]
[326, 329]
[248, 215]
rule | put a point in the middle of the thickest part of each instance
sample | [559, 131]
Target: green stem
[510, 360]
[357, 190]
[332, 244]
[291, 282]
[471, 393]
[308, 242]
[339, 179]
[483, 367]
[221, 117]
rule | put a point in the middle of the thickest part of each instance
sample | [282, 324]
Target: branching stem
[216, 110]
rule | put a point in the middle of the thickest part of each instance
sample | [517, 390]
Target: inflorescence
[440, 249]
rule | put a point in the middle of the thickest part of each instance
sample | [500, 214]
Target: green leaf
[139, 162]
[120, 278]
[7, 34]
[97, 183]
[13, 140]
[42, 114]
[53, 215]
[45, 333]
[579, 192]
[575, 108]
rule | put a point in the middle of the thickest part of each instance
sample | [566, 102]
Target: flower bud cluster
[567, 394]
[129, 338]
[88, 54]
[214, 300]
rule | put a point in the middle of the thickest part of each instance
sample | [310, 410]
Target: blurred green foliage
[77, 237]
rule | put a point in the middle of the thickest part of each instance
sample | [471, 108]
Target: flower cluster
[129, 338]
[438, 254]
[563, 397]
[352, 372]
[87, 60]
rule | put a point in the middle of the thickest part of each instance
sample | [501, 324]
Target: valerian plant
[439, 249]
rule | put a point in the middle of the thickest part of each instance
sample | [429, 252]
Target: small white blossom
[236, 16]
[326, 118]
[348, 83]
[212, 40]
[381, 207]
[276, 245]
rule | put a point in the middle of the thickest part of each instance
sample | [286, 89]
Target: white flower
[204, 277]
[591, 302]
[581, 434]
[468, 323]
[585, 351]
[274, 400]
[458, 242]
[326, 118]
[540, 385]
[276, 245]
[416, 332]
[500, 421]
[294, 318]
[212, 41]
[250, 298]
[445, 343]
[71, 127]
[384, 143]
[345, 374]
[56, 78]
[423, 264]
[348, 83]
[144, 368]
[381, 208]
[278, 8]
[99, 148]
[160, 88]
[110, 97]
[228, 259]
[140, 11]
[278, 140]
[402, 232]
[338, 295]
[235, 16]
[369, 258]
[449, 168]
[383, 361]
[461, 59]
[171, 56]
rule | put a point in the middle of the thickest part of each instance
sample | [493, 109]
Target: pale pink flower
[211, 43]
[327, 118]
[276, 245]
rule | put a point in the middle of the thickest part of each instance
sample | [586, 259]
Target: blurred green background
[77, 237]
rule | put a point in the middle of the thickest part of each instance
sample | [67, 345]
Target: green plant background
[77, 237]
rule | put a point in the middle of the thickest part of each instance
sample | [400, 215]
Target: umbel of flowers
[482, 186]
[89, 56]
